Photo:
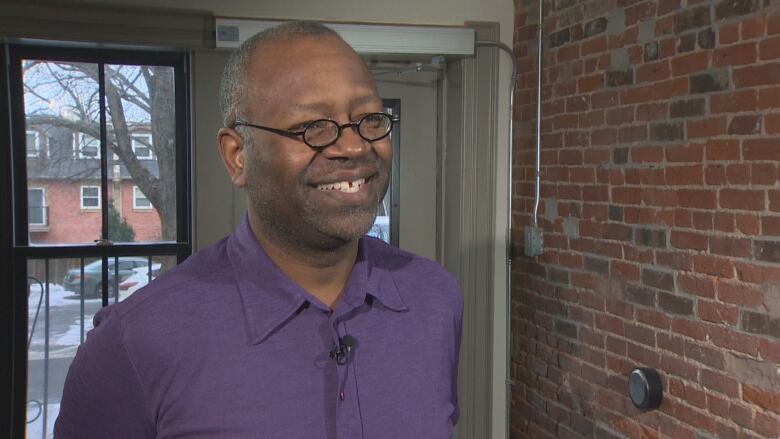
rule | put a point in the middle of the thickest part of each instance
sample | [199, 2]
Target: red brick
[763, 174]
[742, 199]
[743, 100]
[770, 226]
[761, 149]
[671, 343]
[652, 111]
[773, 24]
[727, 338]
[690, 63]
[640, 11]
[728, 34]
[674, 366]
[763, 74]
[766, 424]
[702, 220]
[763, 398]
[674, 259]
[647, 154]
[669, 89]
[685, 153]
[769, 48]
[590, 83]
[652, 318]
[689, 328]
[626, 195]
[666, 6]
[695, 198]
[740, 415]
[715, 175]
[595, 156]
[754, 27]
[772, 124]
[689, 241]
[659, 197]
[740, 294]
[747, 224]
[724, 222]
[714, 266]
[709, 127]
[653, 72]
[727, 246]
[718, 406]
[719, 383]
[738, 174]
[738, 54]
[685, 175]
[721, 149]
[769, 350]
[633, 133]
[703, 286]
[718, 313]
[624, 270]
[637, 95]
[745, 124]
[769, 98]
[610, 324]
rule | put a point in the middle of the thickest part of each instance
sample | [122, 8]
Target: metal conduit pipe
[513, 83]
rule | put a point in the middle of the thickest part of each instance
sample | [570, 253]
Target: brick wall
[70, 224]
[661, 212]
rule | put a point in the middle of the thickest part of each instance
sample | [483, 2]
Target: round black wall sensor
[645, 388]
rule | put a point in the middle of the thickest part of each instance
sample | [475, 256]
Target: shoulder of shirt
[204, 270]
[412, 272]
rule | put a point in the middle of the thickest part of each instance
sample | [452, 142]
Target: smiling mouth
[343, 186]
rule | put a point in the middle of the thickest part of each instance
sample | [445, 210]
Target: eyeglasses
[325, 132]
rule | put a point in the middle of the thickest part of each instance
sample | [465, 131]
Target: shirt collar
[270, 298]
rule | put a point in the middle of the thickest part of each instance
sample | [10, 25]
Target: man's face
[313, 198]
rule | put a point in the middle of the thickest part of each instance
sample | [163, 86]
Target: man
[295, 326]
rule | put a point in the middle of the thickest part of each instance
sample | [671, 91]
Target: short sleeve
[103, 396]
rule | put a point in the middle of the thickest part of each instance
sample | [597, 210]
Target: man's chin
[349, 228]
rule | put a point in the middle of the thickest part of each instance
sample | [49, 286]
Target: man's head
[311, 198]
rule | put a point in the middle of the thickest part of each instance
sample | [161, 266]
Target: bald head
[234, 88]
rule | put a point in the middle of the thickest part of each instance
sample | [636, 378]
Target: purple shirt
[226, 346]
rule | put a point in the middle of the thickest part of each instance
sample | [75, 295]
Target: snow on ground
[35, 414]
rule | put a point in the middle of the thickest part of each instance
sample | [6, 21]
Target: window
[33, 144]
[139, 199]
[90, 197]
[68, 96]
[142, 146]
[87, 147]
[37, 214]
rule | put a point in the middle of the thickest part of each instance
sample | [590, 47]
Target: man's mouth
[343, 186]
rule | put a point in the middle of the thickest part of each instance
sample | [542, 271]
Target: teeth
[343, 186]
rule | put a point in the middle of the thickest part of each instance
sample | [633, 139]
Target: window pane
[381, 227]
[33, 146]
[61, 102]
[58, 320]
[146, 152]
[36, 204]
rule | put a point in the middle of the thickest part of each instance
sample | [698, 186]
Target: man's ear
[231, 149]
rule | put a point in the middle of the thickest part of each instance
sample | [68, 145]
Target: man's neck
[323, 273]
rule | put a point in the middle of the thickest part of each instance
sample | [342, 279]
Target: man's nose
[349, 144]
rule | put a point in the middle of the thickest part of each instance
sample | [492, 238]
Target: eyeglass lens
[324, 132]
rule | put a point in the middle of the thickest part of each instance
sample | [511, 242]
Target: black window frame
[14, 241]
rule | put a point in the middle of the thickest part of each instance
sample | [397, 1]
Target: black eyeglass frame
[339, 128]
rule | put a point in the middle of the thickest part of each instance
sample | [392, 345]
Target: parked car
[138, 279]
[93, 275]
